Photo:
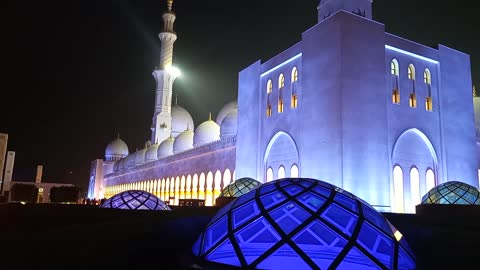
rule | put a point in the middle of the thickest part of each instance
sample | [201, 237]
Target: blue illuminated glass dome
[452, 192]
[239, 187]
[135, 200]
[301, 223]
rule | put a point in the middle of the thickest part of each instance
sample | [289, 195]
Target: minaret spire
[165, 76]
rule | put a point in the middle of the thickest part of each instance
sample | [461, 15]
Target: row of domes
[179, 141]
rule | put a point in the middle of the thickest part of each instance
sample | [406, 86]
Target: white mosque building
[373, 113]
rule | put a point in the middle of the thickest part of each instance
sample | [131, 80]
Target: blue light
[299, 223]
[281, 65]
[388, 47]
[135, 200]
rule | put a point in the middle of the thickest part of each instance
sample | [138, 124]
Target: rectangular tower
[38, 177]
[3, 151]
[8, 170]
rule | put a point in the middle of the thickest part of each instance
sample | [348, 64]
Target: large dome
[181, 120]
[151, 154]
[207, 132]
[135, 200]
[183, 142]
[166, 148]
[452, 192]
[116, 150]
[298, 223]
[227, 108]
[130, 161]
[229, 124]
[240, 187]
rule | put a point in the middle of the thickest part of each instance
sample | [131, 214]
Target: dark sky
[79, 72]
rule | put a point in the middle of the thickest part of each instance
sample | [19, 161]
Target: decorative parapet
[210, 147]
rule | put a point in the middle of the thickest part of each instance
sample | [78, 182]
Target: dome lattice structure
[135, 200]
[240, 187]
[302, 224]
[452, 192]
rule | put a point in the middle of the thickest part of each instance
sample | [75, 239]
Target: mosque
[373, 113]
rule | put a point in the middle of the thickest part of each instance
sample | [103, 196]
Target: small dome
[135, 200]
[151, 154]
[227, 108]
[452, 192]
[166, 148]
[229, 124]
[207, 132]
[183, 142]
[140, 157]
[299, 223]
[181, 120]
[116, 149]
[240, 187]
[130, 161]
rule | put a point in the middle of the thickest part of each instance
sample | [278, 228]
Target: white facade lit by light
[378, 115]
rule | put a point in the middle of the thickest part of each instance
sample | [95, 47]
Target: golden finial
[210, 116]
[169, 5]
[176, 99]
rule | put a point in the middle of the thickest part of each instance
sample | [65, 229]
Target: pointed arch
[227, 178]
[217, 185]
[188, 193]
[201, 187]
[195, 186]
[280, 151]
[411, 72]
[208, 190]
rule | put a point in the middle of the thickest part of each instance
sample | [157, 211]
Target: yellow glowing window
[269, 110]
[427, 78]
[294, 101]
[429, 104]
[280, 106]
[269, 86]
[411, 72]
[413, 100]
[294, 74]
[394, 70]
[281, 81]
[396, 96]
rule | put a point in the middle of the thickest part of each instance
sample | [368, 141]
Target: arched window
[269, 175]
[430, 180]
[280, 105]
[201, 187]
[227, 177]
[209, 191]
[294, 99]
[281, 81]
[281, 172]
[415, 188]
[395, 71]
[177, 190]
[427, 79]
[411, 72]
[167, 190]
[162, 190]
[294, 75]
[188, 188]
[195, 187]
[294, 171]
[217, 185]
[269, 110]
[269, 86]
[398, 190]
[281, 86]
[182, 187]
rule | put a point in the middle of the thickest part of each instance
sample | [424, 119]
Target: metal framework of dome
[239, 187]
[135, 200]
[299, 223]
[452, 192]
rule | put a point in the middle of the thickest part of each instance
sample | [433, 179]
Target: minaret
[164, 75]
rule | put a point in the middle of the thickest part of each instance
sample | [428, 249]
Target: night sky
[79, 72]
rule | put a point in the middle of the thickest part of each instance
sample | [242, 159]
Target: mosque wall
[200, 173]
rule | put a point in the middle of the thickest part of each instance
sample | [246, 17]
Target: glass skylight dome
[302, 223]
[135, 200]
[239, 187]
[452, 193]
